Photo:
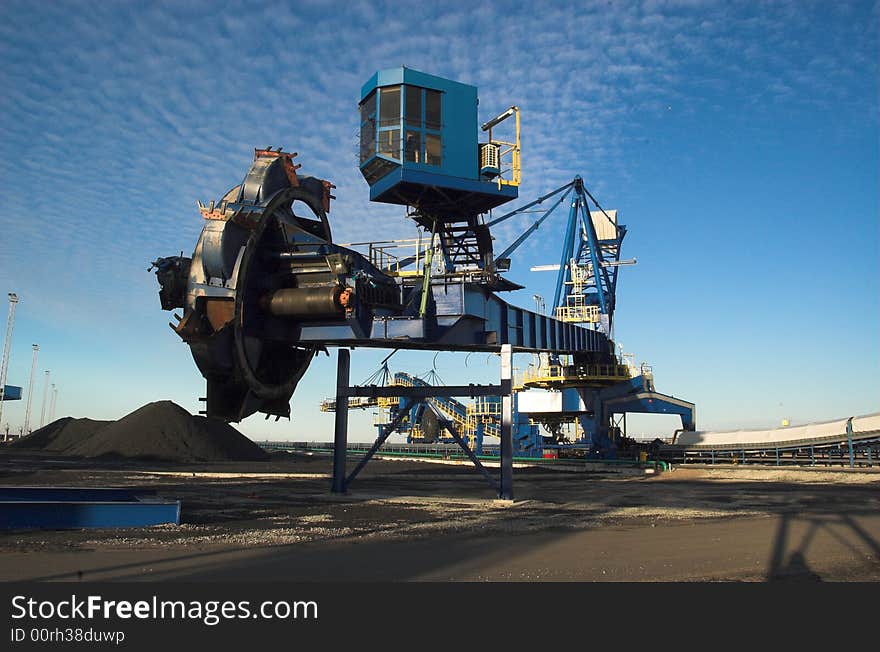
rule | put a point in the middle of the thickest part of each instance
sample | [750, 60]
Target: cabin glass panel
[413, 106]
[422, 119]
[434, 146]
[368, 128]
[389, 143]
[389, 107]
[413, 148]
[432, 110]
[389, 122]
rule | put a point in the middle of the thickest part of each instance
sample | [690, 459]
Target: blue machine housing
[419, 145]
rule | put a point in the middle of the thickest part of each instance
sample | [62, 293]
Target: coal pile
[61, 435]
[161, 431]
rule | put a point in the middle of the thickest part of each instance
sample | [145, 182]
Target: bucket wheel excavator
[264, 263]
[266, 288]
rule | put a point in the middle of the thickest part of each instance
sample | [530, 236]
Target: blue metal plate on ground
[59, 508]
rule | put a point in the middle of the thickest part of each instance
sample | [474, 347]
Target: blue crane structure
[266, 288]
[564, 391]
[564, 387]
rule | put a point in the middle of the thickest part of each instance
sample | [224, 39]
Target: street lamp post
[45, 394]
[27, 412]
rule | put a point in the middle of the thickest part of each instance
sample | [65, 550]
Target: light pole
[52, 404]
[45, 393]
[4, 364]
[539, 303]
[27, 412]
[539, 308]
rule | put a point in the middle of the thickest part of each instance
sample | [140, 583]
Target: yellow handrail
[567, 373]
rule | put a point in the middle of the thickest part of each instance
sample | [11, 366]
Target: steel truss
[409, 397]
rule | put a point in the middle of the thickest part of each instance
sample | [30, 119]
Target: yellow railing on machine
[564, 374]
[502, 151]
[578, 314]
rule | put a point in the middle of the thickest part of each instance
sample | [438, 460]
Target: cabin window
[413, 147]
[368, 128]
[422, 118]
[389, 107]
[432, 110]
[389, 143]
[402, 123]
[434, 149]
[413, 106]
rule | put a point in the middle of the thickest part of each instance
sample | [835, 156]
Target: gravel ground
[245, 512]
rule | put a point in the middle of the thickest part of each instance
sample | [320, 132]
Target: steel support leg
[463, 445]
[385, 432]
[852, 462]
[506, 492]
[340, 439]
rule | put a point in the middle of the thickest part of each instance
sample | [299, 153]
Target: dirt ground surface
[410, 520]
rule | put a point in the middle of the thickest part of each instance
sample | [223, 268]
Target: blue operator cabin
[419, 147]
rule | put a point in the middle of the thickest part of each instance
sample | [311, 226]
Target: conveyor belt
[853, 441]
[864, 428]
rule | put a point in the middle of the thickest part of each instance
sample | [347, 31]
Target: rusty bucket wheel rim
[302, 355]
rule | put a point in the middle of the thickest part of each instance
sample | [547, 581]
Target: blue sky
[738, 140]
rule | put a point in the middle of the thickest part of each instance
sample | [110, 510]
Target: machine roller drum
[323, 302]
